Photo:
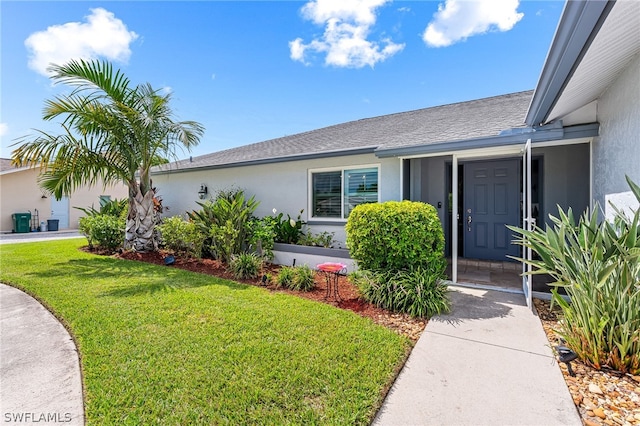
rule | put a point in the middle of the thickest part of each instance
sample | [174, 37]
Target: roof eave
[579, 24]
[552, 133]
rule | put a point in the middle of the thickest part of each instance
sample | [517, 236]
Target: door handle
[469, 220]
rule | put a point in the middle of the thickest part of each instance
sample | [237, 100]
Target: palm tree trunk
[141, 221]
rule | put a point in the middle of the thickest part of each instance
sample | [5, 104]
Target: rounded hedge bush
[395, 235]
[104, 231]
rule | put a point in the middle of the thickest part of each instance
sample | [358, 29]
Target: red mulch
[349, 295]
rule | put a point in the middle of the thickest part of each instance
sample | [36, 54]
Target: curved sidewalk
[488, 362]
[40, 379]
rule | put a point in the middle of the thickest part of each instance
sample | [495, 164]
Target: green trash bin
[21, 222]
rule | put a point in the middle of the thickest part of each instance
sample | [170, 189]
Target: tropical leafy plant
[598, 265]
[288, 230]
[111, 207]
[226, 220]
[419, 292]
[181, 236]
[245, 265]
[113, 132]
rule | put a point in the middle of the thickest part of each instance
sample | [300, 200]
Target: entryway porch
[503, 276]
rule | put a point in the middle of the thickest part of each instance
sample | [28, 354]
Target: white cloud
[102, 35]
[344, 42]
[457, 20]
[4, 129]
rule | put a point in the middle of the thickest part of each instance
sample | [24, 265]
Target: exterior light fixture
[566, 355]
[202, 193]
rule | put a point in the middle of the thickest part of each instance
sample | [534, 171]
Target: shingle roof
[5, 164]
[453, 122]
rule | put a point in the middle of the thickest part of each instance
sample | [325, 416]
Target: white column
[454, 219]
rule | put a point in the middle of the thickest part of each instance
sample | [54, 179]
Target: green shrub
[419, 292]
[322, 239]
[181, 236]
[598, 265]
[300, 278]
[226, 221]
[304, 278]
[225, 241]
[245, 265]
[105, 231]
[262, 237]
[395, 235]
[285, 276]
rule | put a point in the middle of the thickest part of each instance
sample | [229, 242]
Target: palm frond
[92, 75]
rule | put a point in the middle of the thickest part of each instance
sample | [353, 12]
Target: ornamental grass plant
[598, 265]
[301, 278]
[418, 292]
[245, 265]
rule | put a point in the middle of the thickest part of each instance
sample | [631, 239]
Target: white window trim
[341, 169]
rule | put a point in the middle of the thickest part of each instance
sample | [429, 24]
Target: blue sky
[253, 71]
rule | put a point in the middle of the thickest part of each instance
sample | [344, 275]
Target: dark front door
[491, 201]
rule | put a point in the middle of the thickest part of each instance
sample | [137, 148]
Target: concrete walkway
[40, 379]
[486, 363]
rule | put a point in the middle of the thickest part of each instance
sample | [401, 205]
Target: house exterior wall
[565, 178]
[616, 151]
[20, 193]
[283, 186]
[90, 196]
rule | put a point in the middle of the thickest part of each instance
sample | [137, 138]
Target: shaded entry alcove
[559, 175]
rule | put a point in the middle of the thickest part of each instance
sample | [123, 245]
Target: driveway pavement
[12, 238]
[486, 363]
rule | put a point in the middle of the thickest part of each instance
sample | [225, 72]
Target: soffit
[615, 45]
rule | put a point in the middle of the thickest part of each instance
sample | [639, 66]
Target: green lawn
[162, 345]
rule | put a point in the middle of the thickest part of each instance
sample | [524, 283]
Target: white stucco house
[507, 159]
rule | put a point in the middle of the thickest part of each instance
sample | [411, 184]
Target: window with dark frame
[335, 193]
[327, 190]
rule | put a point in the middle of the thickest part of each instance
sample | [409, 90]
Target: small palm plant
[598, 265]
[112, 132]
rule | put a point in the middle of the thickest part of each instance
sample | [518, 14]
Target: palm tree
[113, 132]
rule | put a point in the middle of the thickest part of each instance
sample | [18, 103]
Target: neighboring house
[20, 193]
[510, 158]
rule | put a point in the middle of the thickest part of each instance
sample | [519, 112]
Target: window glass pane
[360, 187]
[327, 190]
